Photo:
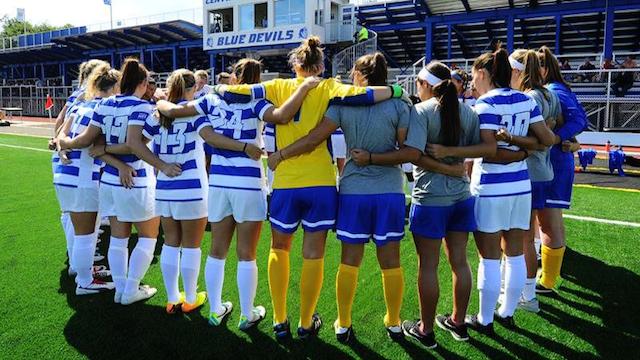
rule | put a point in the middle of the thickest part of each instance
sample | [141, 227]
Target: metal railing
[343, 61]
[32, 99]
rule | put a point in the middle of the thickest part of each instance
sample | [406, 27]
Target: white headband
[431, 79]
[516, 64]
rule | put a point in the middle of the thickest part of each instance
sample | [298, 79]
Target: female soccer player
[304, 186]
[76, 180]
[371, 202]
[460, 79]
[526, 76]
[202, 84]
[237, 196]
[181, 201]
[558, 191]
[120, 117]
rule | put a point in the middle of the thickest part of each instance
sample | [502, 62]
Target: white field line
[604, 221]
[25, 148]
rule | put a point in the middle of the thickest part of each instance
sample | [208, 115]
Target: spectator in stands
[586, 77]
[224, 78]
[624, 81]
[361, 35]
[607, 64]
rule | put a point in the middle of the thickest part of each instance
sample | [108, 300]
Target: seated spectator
[624, 81]
[564, 67]
[586, 77]
[607, 64]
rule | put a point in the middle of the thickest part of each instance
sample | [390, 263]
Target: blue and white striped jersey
[234, 169]
[113, 115]
[181, 144]
[84, 171]
[73, 99]
[514, 111]
[206, 89]
[269, 137]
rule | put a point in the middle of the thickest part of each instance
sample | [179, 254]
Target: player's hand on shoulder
[64, 158]
[311, 82]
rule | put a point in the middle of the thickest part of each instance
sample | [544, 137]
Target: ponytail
[247, 71]
[373, 67]
[101, 79]
[531, 76]
[497, 65]
[133, 74]
[309, 55]
[447, 95]
[178, 83]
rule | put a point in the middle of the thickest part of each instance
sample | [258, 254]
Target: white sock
[537, 243]
[141, 258]
[269, 180]
[170, 266]
[214, 277]
[516, 275]
[489, 287]
[69, 234]
[190, 268]
[247, 283]
[529, 292]
[118, 257]
[83, 248]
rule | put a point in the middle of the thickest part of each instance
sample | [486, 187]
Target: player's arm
[125, 172]
[487, 148]
[174, 111]
[286, 112]
[342, 94]
[138, 148]
[305, 144]
[60, 120]
[222, 142]
[83, 140]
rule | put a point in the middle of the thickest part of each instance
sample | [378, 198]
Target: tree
[12, 27]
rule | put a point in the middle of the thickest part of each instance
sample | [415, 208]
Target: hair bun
[313, 42]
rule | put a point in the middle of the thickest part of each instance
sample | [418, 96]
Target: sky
[87, 12]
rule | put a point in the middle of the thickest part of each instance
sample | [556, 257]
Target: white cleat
[532, 305]
[96, 287]
[144, 292]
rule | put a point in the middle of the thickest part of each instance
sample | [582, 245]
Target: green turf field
[594, 316]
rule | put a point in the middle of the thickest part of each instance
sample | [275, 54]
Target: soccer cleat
[201, 298]
[282, 331]
[174, 308]
[471, 321]
[412, 329]
[117, 298]
[343, 335]
[96, 287]
[459, 332]
[257, 313]
[144, 292]
[506, 321]
[97, 257]
[101, 271]
[395, 332]
[541, 289]
[316, 324]
[532, 305]
[216, 319]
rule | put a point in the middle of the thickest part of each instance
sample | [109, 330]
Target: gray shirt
[539, 162]
[434, 189]
[374, 129]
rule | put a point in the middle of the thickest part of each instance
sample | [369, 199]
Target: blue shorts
[377, 216]
[538, 194]
[315, 207]
[558, 190]
[434, 222]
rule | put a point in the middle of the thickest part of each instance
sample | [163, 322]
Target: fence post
[607, 119]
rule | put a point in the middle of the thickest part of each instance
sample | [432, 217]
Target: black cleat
[343, 335]
[459, 332]
[282, 331]
[542, 290]
[412, 329]
[507, 321]
[316, 324]
[472, 322]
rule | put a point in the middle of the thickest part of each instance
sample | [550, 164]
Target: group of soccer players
[143, 163]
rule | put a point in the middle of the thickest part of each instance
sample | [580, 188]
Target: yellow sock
[346, 282]
[393, 285]
[278, 269]
[551, 264]
[310, 286]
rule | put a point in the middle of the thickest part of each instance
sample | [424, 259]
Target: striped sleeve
[97, 119]
[139, 114]
[151, 127]
[261, 107]
[489, 120]
[200, 123]
[202, 105]
[246, 93]
[535, 115]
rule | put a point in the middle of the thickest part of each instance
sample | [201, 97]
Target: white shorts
[128, 205]
[77, 199]
[407, 167]
[338, 146]
[182, 210]
[494, 214]
[269, 143]
[244, 205]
